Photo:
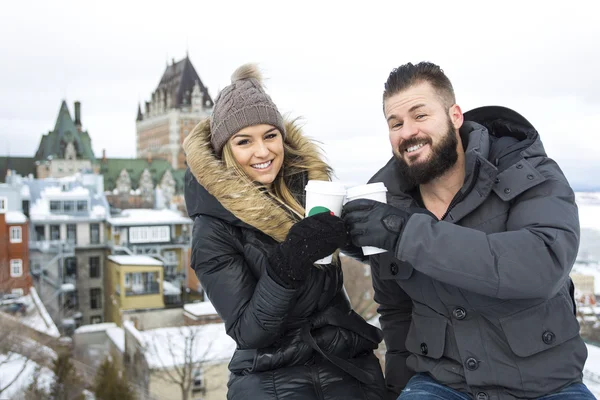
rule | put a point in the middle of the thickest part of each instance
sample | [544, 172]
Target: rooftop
[145, 216]
[134, 260]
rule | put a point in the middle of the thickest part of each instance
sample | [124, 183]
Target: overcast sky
[325, 61]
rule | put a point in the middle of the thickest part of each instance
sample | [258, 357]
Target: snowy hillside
[589, 219]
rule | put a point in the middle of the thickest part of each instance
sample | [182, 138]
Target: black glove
[307, 241]
[371, 223]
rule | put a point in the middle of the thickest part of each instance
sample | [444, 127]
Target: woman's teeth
[261, 166]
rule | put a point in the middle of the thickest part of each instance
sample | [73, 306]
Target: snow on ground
[10, 366]
[591, 371]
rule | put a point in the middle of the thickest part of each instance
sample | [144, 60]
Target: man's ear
[456, 116]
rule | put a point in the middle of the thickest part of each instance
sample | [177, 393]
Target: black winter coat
[304, 343]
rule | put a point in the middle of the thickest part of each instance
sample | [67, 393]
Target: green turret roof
[54, 143]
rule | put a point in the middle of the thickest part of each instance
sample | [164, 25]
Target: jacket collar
[213, 190]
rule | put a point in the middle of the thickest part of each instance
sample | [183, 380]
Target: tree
[181, 356]
[67, 384]
[111, 384]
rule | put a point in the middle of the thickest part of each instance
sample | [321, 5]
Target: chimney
[103, 155]
[149, 158]
[78, 116]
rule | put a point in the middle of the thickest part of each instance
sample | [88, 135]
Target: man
[482, 230]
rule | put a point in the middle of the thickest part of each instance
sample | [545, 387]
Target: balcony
[51, 246]
[72, 279]
[142, 290]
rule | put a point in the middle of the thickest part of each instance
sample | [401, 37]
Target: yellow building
[132, 283]
[161, 234]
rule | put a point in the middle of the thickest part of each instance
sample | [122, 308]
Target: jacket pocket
[242, 362]
[540, 327]
[426, 336]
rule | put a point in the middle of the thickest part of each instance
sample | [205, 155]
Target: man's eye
[421, 116]
[397, 126]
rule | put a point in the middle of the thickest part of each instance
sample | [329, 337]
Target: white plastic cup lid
[326, 187]
[359, 191]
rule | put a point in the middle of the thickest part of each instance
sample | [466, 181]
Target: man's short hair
[407, 75]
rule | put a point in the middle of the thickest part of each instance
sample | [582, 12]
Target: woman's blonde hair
[292, 165]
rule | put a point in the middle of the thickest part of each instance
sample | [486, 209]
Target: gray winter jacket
[481, 300]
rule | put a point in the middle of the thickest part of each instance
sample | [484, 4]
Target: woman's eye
[243, 142]
[271, 136]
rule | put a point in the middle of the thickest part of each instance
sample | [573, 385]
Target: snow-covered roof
[37, 316]
[95, 327]
[170, 290]
[15, 217]
[134, 260]
[201, 308]
[117, 336]
[165, 347]
[147, 216]
[42, 191]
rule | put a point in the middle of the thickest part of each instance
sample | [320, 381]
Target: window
[25, 204]
[96, 319]
[82, 205]
[95, 233]
[149, 234]
[40, 233]
[16, 234]
[69, 206]
[94, 267]
[72, 233]
[3, 204]
[71, 267]
[16, 268]
[95, 298]
[198, 384]
[55, 206]
[54, 232]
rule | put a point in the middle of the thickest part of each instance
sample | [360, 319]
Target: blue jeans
[422, 387]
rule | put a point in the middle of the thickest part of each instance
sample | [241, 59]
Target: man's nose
[409, 129]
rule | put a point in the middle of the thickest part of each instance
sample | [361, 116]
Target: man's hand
[371, 223]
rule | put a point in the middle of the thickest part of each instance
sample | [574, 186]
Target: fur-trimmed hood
[212, 189]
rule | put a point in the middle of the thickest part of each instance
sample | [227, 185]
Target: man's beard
[443, 157]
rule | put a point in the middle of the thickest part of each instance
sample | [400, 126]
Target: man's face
[423, 133]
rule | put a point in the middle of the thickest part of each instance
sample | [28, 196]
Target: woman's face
[258, 149]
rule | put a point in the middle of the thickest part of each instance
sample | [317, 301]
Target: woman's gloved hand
[307, 241]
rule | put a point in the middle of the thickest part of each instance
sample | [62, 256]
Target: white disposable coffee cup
[372, 191]
[324, 196]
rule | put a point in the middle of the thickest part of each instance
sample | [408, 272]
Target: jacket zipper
[461, 195]
[316, 382]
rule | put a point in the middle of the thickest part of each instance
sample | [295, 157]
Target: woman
[297, 336]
